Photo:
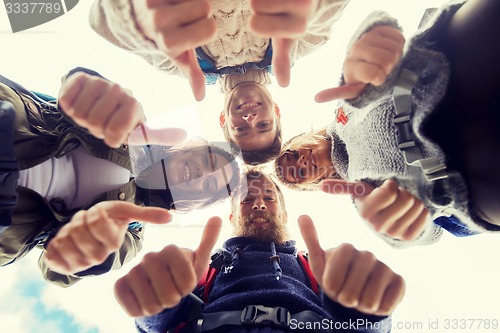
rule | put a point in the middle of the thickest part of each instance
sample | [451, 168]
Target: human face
[251, 116]
[308, 163]
[259, 212]
[202, 171]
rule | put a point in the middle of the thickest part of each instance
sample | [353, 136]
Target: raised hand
[92, 235]
[109, 111]
[354, 279]
[163, 278]
[389, 209]
[284, 21]
[178, 27]
[369, 61]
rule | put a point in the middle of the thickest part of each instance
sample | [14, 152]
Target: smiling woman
[187, 176]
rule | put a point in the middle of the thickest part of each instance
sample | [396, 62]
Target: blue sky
[455, 278]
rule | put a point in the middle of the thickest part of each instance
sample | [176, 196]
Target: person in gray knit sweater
[419, 128]
[233, 42]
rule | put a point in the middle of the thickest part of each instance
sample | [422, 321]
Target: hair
[256, 157]
[254, 173]
[187, 201]
[293, 144]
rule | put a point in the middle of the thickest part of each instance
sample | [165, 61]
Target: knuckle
[367, 256]
[348, 299]
[172, 248]
[171, 301]
[152, 309]
[346, 248]
[204, 7]
[149, 259]
[330, 285]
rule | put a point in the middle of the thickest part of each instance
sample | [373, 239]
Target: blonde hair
[294, 144]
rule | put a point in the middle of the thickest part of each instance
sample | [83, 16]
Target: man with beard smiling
[261, 272]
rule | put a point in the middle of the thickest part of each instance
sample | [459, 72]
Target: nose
[259, 204]
[301, 161]
[249, 117]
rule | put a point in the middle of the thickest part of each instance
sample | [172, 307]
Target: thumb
[188, 63]
[124, 212]
[347, 91]
[282, 49]
[143, 135]
[207, 243]
[316, 252]
[339, 186]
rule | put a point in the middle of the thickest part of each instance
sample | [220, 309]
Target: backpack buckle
[259, 314]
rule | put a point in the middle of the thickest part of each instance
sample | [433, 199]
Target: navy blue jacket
[252, 282]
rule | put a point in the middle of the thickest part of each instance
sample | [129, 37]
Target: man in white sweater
[225, 41]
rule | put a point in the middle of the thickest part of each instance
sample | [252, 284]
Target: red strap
[207, 282]
[301, 256]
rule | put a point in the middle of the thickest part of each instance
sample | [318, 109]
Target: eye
[246, 200]
[264, 124]
[206, 161]
[269, 199]
[240, 128]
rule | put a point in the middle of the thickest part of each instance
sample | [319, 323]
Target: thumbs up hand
[352, 278]
[163, 278]
[389, 209]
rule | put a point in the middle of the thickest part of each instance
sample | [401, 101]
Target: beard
[272, 231]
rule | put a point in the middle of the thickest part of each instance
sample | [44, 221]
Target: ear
[222, 119]
[277, 110]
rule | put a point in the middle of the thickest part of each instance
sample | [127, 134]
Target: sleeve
[168, 319]
[129, 249]
[115, 21]
[371, 93]
[351, 320]
[431, 234]
[319, 28]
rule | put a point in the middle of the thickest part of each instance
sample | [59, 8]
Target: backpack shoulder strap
[304, 263]
[206, 282]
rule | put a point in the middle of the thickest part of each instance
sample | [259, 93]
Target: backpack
[217, 261]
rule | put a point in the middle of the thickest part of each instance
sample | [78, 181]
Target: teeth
[187, 173]
[248, 105]
[259, 220]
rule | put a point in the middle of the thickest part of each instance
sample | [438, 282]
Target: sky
[455, 279]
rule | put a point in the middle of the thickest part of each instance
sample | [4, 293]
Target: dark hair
[256, 157]
[187, 201]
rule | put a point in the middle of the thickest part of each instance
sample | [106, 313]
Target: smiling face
[201, 171]
[307, 163]
[259, 212]
[251, 117]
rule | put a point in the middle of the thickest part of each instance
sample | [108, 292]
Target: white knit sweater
[234, 45]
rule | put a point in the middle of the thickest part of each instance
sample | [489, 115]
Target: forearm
[318, 32]
[355, 321]
[118, 23]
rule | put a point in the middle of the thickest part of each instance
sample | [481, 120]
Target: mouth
[248, 105]
[187, 172]
[259, 221]
[313, 161]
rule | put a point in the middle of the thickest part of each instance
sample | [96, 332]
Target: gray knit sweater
[234, 45]
[366, 148]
